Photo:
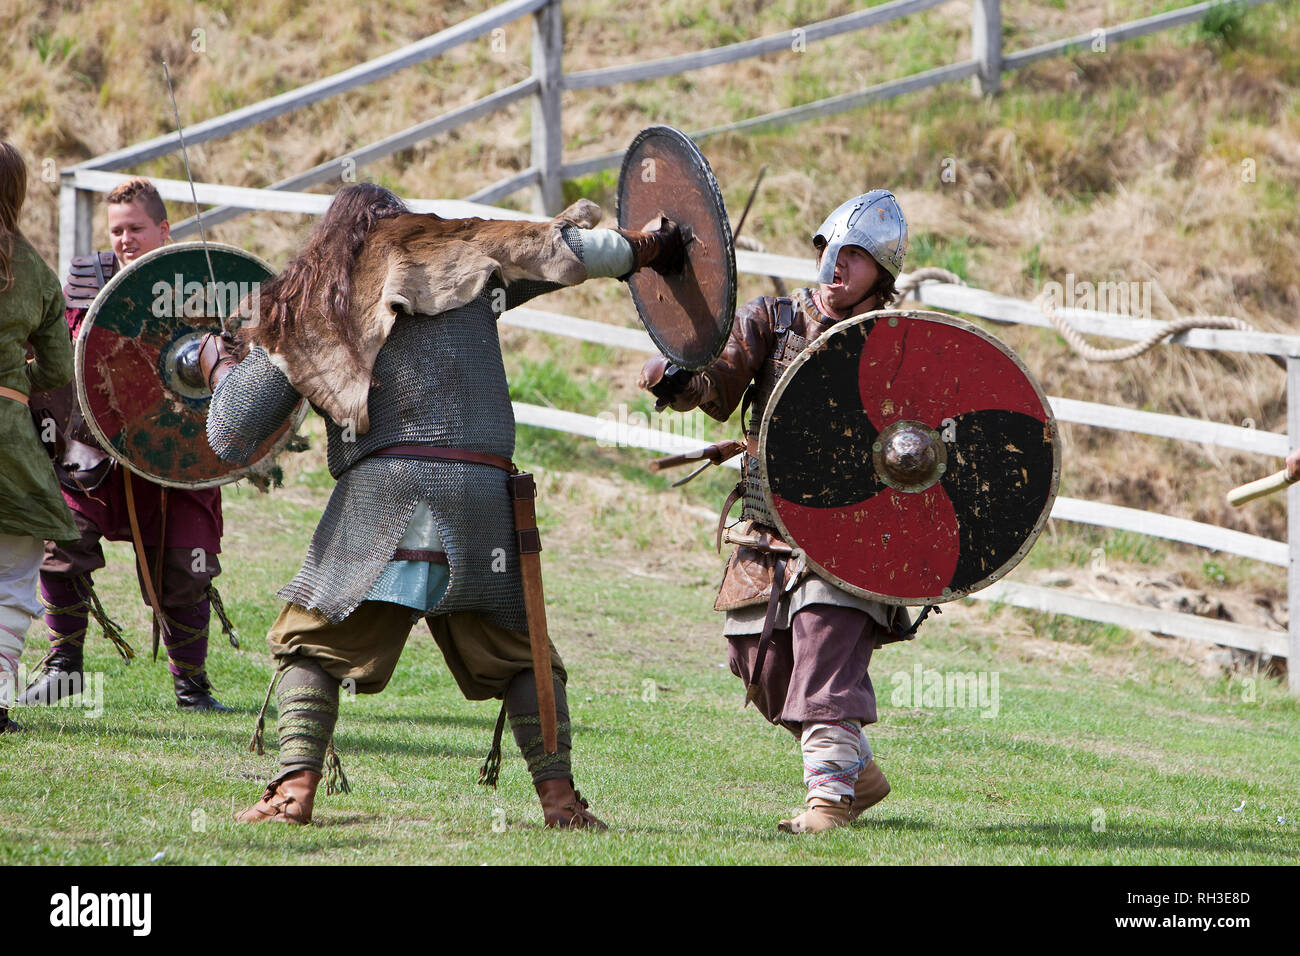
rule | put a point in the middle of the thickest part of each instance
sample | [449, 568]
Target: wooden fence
[548, 171]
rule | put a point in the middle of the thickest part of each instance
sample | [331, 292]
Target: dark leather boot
[287, 800]
[60, 677]
[7, 726]
[194, 692]
[661, 245]
[564, 807]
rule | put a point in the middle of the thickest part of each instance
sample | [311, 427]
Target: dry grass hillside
[1125, 165]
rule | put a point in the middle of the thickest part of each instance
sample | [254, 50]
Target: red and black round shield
[137, 373]
[911, 456]
[687, 313]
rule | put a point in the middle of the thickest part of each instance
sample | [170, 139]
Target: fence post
[76, 223]
[1293, 528]
[547, 130]
[986, 44]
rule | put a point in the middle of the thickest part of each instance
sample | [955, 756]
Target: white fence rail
[548, 170]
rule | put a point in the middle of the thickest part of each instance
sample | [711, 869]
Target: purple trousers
[815, 670]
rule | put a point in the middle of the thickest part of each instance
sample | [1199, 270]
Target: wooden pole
[547, 126]
[1293, 527]
[986, 45]
[76, 223]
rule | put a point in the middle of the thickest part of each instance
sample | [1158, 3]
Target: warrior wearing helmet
[804, 654]
[386, 323]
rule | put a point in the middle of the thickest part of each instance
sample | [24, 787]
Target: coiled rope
[1073, 337]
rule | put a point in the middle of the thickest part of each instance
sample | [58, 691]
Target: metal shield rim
[729, 307]
[820, 343]
[79, 378]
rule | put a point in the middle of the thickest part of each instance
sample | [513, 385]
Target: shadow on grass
[40, 731]
[352, 742]
[1237, 840]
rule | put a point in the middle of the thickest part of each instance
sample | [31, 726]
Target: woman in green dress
[31, 508]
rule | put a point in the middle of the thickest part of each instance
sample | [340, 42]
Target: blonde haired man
[180, 529]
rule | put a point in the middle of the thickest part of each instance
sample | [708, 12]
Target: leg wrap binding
[526, 725]
[309, 708]
[832, 758]
[186, 638]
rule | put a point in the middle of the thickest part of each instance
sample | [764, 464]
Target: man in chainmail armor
[386, 323]
[813, 680]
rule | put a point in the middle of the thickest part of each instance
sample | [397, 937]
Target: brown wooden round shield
[911, 456]
[137, 378]
[688, 313]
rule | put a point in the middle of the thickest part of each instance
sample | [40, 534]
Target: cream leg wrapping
[863, 746]
[832, 758]
[20, 562]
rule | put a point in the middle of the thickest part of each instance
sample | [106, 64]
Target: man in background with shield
[801, 645]
[179, 529]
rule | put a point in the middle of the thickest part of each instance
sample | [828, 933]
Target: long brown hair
[317, 284]
[13, 190]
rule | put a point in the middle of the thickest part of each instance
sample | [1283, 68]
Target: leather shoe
[871, 787]
[194, 692]
[821, 815]
[287, 800]
[564, 807]
[7, 726]
[60, 677]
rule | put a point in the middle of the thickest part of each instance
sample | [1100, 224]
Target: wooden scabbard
[715, 454]
[522, 492]
[146, 575]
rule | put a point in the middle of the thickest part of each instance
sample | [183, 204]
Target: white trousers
[20, 564]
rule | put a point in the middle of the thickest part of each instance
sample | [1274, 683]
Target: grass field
[1089, 745]
[1100, 746]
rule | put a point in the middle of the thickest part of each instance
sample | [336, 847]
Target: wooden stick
[1258, 489]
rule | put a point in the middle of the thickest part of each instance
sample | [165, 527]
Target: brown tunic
[717, 391]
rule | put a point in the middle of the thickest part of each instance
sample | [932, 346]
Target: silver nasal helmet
[873, 221]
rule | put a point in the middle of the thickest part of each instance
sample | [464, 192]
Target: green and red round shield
[910, 455]
[137, 374]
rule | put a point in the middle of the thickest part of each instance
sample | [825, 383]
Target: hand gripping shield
[688, 313]
[911, 456]
[137, 374]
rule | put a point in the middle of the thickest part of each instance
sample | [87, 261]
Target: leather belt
[769, 628]
[13, 394]
[420, 554]
[444, 454]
